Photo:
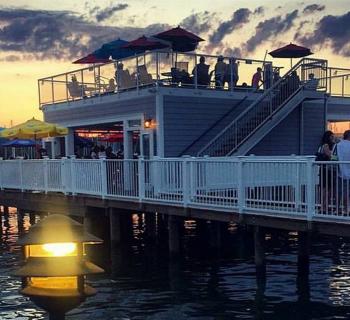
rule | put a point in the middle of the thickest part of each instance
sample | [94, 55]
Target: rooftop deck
[168, 69]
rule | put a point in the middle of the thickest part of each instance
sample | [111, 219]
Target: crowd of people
[101, 152]
[334, 177]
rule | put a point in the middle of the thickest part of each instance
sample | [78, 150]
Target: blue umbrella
[110, 49]
[116, 50]
[18, 143]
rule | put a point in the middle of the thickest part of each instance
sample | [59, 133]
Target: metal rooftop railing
[150, 69]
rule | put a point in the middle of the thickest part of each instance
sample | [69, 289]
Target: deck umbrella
[116, 50]
[19, 143]
[180, 39]
[33, 129]
[143, 44]
[291, 51]
[97, 56]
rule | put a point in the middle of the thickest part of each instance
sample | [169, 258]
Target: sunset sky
[39, 38]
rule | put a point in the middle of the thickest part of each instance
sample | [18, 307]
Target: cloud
[332, 31]
[106, 13]
[10, 58]
[271, 27]
[58, 34]
[313, 8]
[198, 22]
[259, 10]
[239, 18]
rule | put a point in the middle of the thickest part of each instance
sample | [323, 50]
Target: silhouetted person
[201, 71]
[257, 78]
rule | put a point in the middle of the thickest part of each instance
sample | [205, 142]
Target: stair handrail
[214, 125]
[257, 101]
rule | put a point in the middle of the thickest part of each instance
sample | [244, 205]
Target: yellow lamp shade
[53, 282]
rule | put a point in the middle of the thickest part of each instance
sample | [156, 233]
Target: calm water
[144, 284]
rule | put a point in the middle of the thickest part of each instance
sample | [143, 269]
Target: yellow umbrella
[33, 129]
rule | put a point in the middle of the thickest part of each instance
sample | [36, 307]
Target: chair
[144, 77]
[181, 65]
[203, 77]
[124, 80]
[75, 90]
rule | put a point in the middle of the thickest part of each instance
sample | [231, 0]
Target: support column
[69, 142]
[259, 252]
[174, 238]
[151, 230]
[115, 227]
[127, 141]
[6, 211]
[303, 288]
[20, 220]
[215, 235]
[32, 218]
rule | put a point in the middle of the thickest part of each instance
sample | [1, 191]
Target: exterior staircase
[268, 110]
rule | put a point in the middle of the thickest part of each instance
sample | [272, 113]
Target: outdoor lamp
[55, 265]
[148, 123]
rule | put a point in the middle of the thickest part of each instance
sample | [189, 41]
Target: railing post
[141, 178]
[195, 72]
[64, 165]
[157, 66]
[67, 96]
[72, 175]
[103, 164]
[297, 187]
[46, 175]
[310, 193]
[52, 91]
[185, 180]
[240, 185]
[82, 84]
[137, 74]
[231, 74]
[20, 163]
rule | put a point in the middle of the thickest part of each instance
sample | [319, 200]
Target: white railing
[293, 186]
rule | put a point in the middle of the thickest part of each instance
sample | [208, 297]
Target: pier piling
[115, 227]
[151, 228]
[174, 237]
[259, 252]
[215, 235]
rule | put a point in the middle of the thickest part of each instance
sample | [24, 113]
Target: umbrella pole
[291, 63]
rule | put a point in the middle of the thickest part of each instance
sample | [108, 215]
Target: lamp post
[55, 265]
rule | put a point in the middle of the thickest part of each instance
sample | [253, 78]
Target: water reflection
[142, 283]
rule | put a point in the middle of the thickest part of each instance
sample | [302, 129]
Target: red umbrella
[91, 58]
[291, 51]
[181, 39]
[143, 43]
[178, 34]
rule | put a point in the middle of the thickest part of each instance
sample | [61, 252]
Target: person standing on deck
[257, 78]
[220, 71]
[343, 153]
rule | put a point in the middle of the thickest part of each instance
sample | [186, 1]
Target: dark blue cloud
[239, 18]
[330, 30]
[198, 22]
[59, 34]
[106, 13]
[313, 8]
[269, 28]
